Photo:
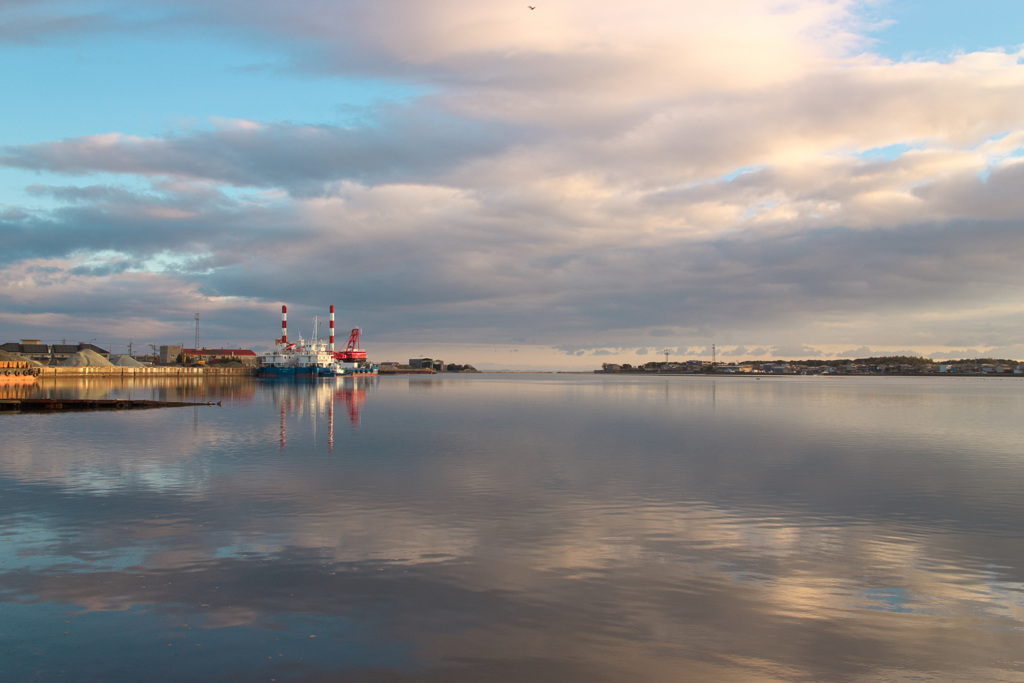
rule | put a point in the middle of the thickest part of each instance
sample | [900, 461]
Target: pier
[49, 405]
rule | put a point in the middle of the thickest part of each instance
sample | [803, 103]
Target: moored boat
[298, 359]
[314, 358]
[352, 360]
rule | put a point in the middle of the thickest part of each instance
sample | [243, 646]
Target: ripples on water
[525, 527]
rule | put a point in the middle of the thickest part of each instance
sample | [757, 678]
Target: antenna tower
[197, 332]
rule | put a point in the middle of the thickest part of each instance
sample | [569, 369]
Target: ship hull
[295, 372]
[358, 372]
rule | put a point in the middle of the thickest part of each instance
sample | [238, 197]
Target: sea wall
[168, 371]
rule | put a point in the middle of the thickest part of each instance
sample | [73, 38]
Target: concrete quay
[160, 371]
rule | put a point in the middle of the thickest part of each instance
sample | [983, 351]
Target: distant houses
[213, 356]
[422, 366]
[177, 354]
[821, 367]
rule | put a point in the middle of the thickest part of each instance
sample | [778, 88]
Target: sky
[514, 188]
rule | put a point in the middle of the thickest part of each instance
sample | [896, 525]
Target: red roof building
[243, 356]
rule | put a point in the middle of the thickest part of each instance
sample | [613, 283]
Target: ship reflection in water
[313, 401]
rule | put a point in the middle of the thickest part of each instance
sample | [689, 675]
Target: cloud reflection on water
[560, 528]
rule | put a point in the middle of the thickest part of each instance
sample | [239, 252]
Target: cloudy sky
[554, 188]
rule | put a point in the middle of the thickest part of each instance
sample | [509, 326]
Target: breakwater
[52, 405]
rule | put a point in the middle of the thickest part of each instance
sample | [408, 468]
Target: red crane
[352, 352]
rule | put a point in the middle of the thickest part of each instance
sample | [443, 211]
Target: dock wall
[55, 372]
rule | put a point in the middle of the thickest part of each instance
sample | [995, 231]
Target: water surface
[518, 527]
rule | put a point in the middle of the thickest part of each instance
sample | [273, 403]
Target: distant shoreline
[760, 375]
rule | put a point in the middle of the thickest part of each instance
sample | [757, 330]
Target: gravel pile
[126, 361]
[7, 355]
[87, 359]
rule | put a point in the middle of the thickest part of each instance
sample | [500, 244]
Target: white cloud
[585, 175]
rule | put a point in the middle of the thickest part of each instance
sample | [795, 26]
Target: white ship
[314, 358]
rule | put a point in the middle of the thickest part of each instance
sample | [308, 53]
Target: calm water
[518, 528]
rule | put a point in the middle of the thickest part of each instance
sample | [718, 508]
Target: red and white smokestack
[332, 328]
[284, 324]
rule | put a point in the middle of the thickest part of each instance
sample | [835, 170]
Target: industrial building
[205, 355]
[427, 363]
[50, 354]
